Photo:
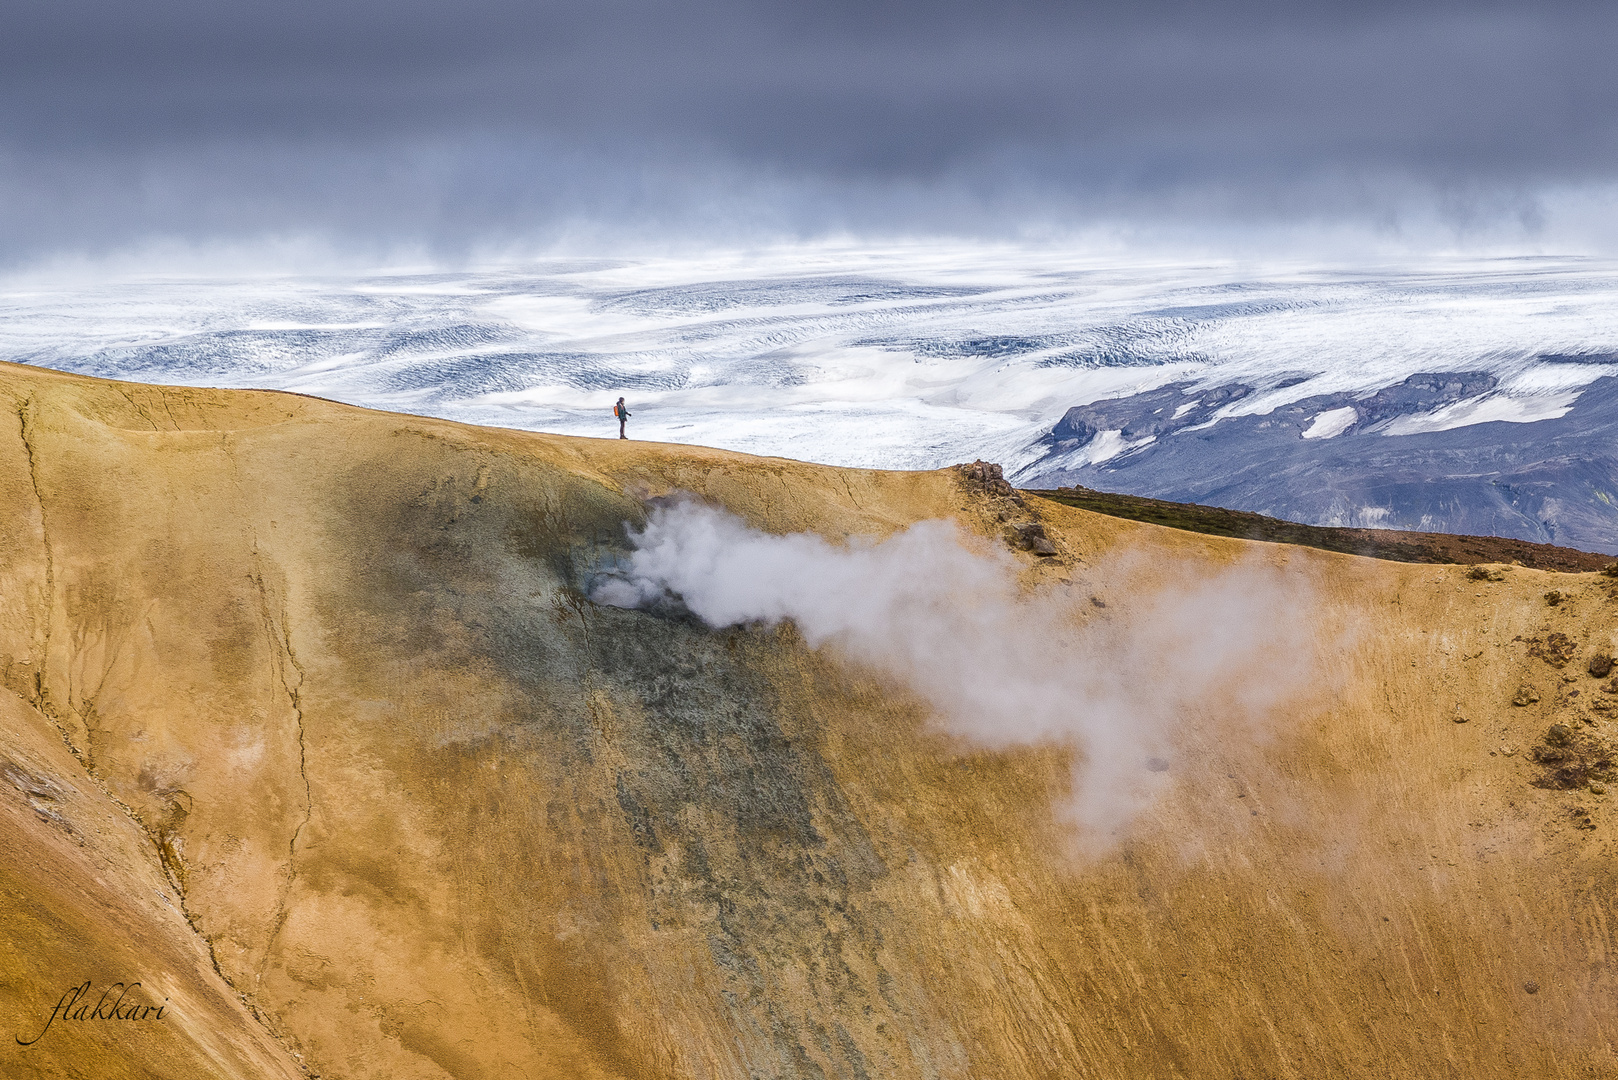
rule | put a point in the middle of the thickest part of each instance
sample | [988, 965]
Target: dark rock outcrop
[1549, 481]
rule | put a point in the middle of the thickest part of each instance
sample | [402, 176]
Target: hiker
[622, 414]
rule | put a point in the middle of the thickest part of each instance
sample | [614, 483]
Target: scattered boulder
[1581, 818]
[982, 471]
[1485, 573]
[1600, 665]
[1572, 760]
[1555, 597]
[1611, 569]
[1031, 537]
[991, 476]
[1556, 649]
[1526, 695]
[987, 478]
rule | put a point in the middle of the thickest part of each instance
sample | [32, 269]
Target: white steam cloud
[1131, 685]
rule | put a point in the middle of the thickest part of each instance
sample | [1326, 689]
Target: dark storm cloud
[202, 118]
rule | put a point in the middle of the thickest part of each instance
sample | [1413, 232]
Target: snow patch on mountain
[1331, 423]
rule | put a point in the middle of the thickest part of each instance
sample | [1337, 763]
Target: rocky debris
[1571, 760]
[991, 476]
[1600, 665]
[1555, 597]
[1556, 649]
[1581, 818]
[1485, 573]
[1611, 569]
[1526, 695]
[1597, 787]
[1021, 534]
[1031, 537]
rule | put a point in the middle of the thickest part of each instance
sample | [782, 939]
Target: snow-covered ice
[894, 358]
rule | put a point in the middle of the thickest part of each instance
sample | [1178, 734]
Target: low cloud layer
[496, 124]
[1132, 686]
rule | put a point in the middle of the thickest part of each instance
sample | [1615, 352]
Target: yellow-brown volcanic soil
[308, 728]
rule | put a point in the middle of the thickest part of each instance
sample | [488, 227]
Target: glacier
[1463, 394]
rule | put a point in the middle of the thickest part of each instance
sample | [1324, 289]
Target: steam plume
[999, 667]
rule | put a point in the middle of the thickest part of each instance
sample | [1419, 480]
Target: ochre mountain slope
[356, 778]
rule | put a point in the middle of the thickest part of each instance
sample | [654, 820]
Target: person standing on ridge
[622, 413]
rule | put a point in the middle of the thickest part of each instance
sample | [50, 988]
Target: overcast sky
[482, 123]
